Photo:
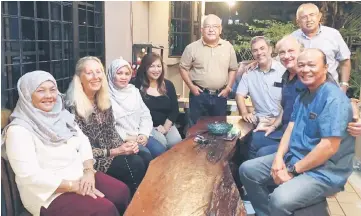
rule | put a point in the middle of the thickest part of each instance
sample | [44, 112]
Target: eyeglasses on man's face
[208, 27]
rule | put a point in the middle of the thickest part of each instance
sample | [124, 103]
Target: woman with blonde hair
[52, 159]
[132, 117]
[88, 98]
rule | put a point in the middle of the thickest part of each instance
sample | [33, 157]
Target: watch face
[290, 168]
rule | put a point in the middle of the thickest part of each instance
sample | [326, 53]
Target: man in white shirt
[314, 35]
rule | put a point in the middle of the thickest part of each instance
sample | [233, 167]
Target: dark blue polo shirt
[323, 113]
[290, 90]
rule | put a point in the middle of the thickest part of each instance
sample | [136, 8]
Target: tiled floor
[346, 203]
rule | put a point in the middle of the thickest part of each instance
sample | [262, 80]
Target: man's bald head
[314, 53]
[289, 39]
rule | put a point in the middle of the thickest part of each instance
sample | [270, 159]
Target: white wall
[150, 25]
[117, 30]
[158, 34]
[140, 22]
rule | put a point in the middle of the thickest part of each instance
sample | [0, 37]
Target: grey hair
[258, 38]
[302, 8]
[219, 20]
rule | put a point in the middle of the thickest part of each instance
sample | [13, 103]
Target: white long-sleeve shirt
[139, 122]
[39, 169]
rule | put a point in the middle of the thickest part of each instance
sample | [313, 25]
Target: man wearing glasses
[208, 67]
[314, 35]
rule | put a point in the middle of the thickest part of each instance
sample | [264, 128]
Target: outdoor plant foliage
[241, 34]
[272, 29]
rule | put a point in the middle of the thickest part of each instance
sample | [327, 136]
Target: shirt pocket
[311, 127]
[276, 93]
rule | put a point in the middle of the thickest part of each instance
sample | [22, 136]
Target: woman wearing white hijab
[52, 159]
[132, 116]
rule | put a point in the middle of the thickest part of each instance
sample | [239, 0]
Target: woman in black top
[160, 97]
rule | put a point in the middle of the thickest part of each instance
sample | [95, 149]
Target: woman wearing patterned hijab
[52, 158]
[132, 116]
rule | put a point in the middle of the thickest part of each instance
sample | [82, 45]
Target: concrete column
[118, 36]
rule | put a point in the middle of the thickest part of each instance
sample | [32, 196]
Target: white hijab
[125, 100]
[52, 128]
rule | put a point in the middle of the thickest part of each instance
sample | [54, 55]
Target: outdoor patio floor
[347, 202]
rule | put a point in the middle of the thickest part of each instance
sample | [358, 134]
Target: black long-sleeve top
[161, 107]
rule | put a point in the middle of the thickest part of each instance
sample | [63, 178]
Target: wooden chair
[13, 204]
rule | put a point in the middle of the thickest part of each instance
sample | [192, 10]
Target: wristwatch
[292, 169]
[345, 84]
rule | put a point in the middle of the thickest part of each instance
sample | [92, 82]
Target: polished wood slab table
[183, 182]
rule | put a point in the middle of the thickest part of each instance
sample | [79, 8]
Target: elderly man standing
[208, 67]
[314, 158]
[314, 35]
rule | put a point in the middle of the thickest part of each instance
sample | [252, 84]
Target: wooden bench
[12, 201]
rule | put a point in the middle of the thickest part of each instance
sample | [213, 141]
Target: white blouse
[136, 123]
[39, 169]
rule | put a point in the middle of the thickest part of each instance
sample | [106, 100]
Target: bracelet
[108, 152]
[344, 84]
[70, 188]
[89, 169]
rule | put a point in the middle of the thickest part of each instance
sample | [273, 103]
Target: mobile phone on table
[231, 135]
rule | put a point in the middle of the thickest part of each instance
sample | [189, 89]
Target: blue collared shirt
[290, 90]
[264, 89]
[330, 41]
[323, 113]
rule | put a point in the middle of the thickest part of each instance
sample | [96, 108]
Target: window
[91, 40]
[40, 36]
[180, 26]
